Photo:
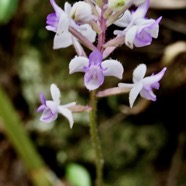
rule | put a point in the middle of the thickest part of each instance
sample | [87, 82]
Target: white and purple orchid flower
[141, 85]
[60, 21]
[95, 69]
[51, 108]
[139, 30]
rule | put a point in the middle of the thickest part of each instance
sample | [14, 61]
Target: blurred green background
[143, 146]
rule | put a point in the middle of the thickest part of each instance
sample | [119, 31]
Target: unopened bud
[81, 11]
[116, 4]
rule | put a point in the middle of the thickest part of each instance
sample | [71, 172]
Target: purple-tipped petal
[112, 68]
[155, 78]
[43, 99]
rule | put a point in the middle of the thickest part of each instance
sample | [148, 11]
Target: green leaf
[7, 10]
[77, 175]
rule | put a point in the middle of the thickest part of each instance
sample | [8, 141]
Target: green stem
[16, 133]
[95, 138]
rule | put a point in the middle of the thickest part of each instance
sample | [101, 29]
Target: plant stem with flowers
[82, 25]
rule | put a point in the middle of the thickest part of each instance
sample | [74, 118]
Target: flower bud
[116, 4]
[81, 11]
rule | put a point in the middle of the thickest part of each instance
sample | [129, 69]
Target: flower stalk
[95, 139]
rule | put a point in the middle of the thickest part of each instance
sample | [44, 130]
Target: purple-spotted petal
[112, 68]
[67, 113]
[134, 93]
[139, 72]
[78, 64]
[93, 78]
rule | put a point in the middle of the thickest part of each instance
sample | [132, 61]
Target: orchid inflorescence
[84, 24]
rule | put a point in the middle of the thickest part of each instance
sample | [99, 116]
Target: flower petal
[154, 78]
[57, 9]
[43, 99]
[153, 29]
[52, 106]
[67, 113]
[139, 72]
[141, 10]
[55, 93]
[62, 40]
[63, 24]
[47, 116]
[125, 20]
[112, 68]
[87, 31]
[67, 8]
[134, 93]
[93, 78]
[78, 64]
[95, 58]
[148, 94]
[142, 39]
[41, 108]
[130, 36]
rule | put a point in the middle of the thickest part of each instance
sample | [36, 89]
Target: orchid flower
[141, 85]
[60, 21]
[51, 108]
[139, 30]
[95, 69]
